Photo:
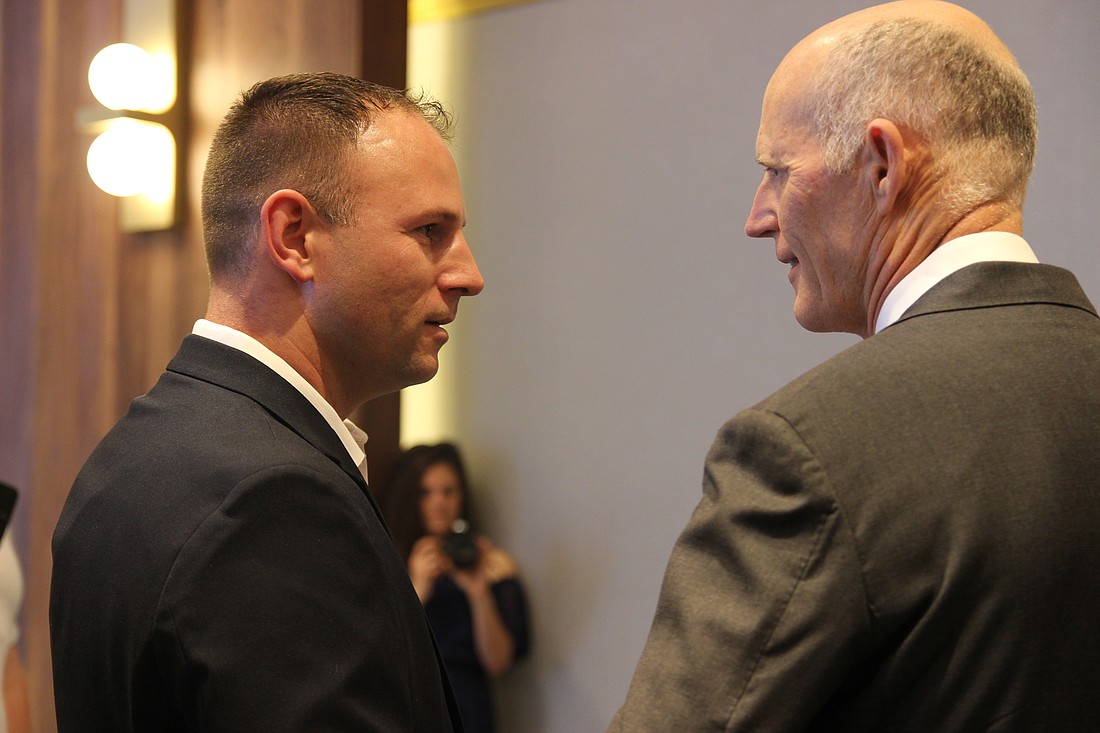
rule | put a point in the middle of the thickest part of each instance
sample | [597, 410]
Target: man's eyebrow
[446, 215]
[443, 214]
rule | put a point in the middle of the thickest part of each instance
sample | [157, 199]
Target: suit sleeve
[282, 613]
[762, 610]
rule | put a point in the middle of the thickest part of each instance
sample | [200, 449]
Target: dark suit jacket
[903, 539]
[220, 566]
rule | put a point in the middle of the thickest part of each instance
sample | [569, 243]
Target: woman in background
[471, 591]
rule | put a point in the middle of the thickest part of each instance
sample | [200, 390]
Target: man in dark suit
[220, 564]
[902, 538]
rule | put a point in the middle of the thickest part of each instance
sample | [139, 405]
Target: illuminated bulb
[134, 157]
[125, 76]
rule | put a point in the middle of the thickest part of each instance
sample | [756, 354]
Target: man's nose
[762, 221]
[464, 275]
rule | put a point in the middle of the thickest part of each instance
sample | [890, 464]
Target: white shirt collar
[353, 438]
[950, 257]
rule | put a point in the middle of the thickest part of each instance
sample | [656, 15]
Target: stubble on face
[384, 291]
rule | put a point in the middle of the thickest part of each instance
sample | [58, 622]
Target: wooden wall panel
[76, 248]
[240, 42]
[384, 45]
[89, 316]
[19, 53]
[385, 41]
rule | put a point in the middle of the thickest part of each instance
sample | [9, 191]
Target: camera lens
[459, 545]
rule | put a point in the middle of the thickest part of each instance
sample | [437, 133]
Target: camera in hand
[459, 545]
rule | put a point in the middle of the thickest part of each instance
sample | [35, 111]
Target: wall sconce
[140, 84]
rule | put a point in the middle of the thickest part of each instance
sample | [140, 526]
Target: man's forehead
[402, 142]
[387, 128]
[784, 120]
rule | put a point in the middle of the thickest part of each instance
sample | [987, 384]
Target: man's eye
[431, 231]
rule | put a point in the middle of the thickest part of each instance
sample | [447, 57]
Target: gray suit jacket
[902, 539]
[220, 566]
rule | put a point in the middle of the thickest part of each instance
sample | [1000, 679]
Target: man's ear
[286, 221]
[883, 165]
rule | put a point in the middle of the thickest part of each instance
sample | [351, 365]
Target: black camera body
[459, 545]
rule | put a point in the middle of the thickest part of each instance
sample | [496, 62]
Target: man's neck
[917, 237]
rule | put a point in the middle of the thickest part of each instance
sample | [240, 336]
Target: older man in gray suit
[902, 539]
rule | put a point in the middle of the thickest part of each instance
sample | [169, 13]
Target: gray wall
[606, 149]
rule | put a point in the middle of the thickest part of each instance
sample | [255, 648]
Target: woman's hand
[492, 640]
[426, 563]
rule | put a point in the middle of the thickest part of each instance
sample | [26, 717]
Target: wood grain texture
[89, 316]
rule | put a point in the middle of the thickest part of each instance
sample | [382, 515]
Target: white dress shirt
[950, 257]
[353, 438]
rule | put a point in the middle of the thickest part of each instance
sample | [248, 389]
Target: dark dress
[449, 615]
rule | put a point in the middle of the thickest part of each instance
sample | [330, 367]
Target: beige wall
[608, 164]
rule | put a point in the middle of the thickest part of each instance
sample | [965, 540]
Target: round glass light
[132, 157]
[125, 76]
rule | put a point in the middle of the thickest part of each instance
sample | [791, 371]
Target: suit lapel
[229, 368]
[226, 367]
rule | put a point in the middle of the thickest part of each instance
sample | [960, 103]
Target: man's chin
[817, 322]
[423, 371]
[810, 318]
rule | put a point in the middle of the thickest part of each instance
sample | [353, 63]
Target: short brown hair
[293, 132]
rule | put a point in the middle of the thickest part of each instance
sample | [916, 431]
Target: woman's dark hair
[401, 499]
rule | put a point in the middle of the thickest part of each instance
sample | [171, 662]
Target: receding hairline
[814, 47]
[292, 132]
[877, 62]
[795, 81]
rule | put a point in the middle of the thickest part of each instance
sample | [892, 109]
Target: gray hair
[976, 111]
